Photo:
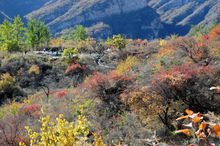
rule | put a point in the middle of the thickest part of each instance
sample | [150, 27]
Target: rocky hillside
[185, 12]
[120, 16]
[16, 7]
[134, 18]
[164, 92]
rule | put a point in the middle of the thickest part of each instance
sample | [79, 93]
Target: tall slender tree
[5, 34]
[37, 33]
[18, 30]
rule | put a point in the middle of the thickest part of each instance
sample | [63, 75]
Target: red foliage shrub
[214, 34]
[32, 110]
[107, 88]
[100, 78]
[193, 49]
[189, 84]
[178, 75]
[61, 93]
[74, 68]
[139, 41]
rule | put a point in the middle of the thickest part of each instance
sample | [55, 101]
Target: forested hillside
[76, 90]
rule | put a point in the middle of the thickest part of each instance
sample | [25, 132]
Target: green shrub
[117, 41]
[68, 54]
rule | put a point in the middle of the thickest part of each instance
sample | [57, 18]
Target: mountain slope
[3, 16]
[12, 8]
[133, 18]
[185, 12]
[130, 17]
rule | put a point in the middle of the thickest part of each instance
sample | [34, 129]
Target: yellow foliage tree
[126, 65]
[62, 133]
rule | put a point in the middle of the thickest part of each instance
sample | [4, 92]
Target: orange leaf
[182, 117]
[184, 131]
[196, 119]
[216, 130]
[202, 126]
[189, 112]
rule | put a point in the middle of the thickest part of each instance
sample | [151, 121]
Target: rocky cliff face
[187, 12]
[151, 18]
[60, 15]
[134, 18]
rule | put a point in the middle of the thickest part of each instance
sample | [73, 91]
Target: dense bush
[146, 103]
[69, 55]
[192, 49]
[127, 65]
[107, 88]
[117, 41]
[62, 132]
[8, 87]
[189, 84]
[11, 130]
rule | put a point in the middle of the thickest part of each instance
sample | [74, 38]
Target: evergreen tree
[12, 35]
[79, 33]
[18, 30]
[6, 36]
[37, 33]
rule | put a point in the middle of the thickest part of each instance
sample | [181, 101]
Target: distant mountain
[12, 8]
[133, 18]
[187, 12]
[4, 16]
